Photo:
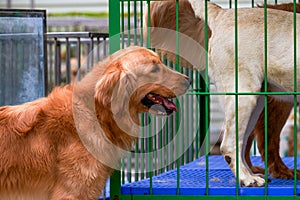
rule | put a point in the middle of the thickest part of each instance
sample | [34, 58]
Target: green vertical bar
[177, 114]
[129, 166]
[142, 23]
[154, 127]
[236, 96]
[295, 144]
[190, 108]
[128, 23]
[165, 131]
[114, 25]
[265, 97]
[171, 132]
[161, 145]
[143, 148]
[123, 24]
[198, 140]
[186, 126]
[167, 141]
[148, 24]
[122, 171]
[114, 45]
[136, 164]
[204, 101]
[150, 155]
[135, 23]
[295, 100]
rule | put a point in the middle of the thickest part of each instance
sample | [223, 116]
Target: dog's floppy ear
[114, 89]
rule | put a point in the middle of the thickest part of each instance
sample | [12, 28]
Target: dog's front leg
[246, 106]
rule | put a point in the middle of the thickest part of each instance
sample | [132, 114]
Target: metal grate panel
[221, 181]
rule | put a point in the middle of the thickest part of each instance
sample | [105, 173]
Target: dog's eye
[155, 69]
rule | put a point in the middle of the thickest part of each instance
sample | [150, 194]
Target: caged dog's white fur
[251, 67]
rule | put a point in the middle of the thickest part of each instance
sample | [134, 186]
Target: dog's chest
[24, 196]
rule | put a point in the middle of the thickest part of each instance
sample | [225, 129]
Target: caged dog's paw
[252, 181]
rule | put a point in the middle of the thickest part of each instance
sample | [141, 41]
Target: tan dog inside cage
[163, 15]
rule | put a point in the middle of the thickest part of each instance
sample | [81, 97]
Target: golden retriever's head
[137, 81]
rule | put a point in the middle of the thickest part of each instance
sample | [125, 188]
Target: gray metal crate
[22, 55]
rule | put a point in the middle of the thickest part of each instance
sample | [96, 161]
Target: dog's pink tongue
[168, 104]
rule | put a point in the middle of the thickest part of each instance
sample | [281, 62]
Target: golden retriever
[65, 146]
[280, 48]
[163, 16]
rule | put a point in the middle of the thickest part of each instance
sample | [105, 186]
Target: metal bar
[90, 53]
[105, 46]
[135, 23]
[198, 134]
[78, 58]
[143, 118]
[236, 96]
[69, 34]
[265, 97]
[204, 101]
[177, 114]
[148, 25]
[150, 154]
[136, 164]
[141, 23]
[128, 23]
[161, 145]
[68, 64]
[16, 35]
[114, 45]
[154, 131]
[123, 24]
[98, 48]
[295, 99]
[242, 93]
[57, 62]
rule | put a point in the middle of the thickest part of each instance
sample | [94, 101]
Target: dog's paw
[257, 170]
[253, 181]
[285, 174]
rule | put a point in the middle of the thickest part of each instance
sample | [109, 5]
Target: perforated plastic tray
[221, 181]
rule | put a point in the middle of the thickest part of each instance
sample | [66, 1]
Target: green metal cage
[188, 131]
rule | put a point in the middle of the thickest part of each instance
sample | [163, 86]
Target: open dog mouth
[159, 105]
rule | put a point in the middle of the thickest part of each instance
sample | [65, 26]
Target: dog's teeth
[161, 113]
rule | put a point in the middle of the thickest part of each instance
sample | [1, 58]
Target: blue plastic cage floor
[221, 180]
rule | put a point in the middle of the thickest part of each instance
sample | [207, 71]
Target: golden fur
[42, 153]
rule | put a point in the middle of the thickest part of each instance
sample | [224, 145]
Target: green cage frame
[116, 30]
